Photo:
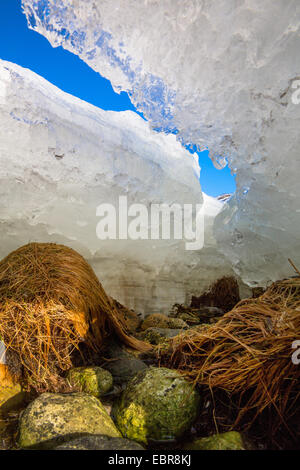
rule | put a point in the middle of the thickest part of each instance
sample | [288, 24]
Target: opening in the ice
[215, 182]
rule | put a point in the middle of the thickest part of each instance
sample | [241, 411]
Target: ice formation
[60, 158]
[223, 73]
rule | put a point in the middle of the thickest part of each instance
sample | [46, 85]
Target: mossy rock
[158, 320]
[158, 404]
[201, 328]
[227, 441]
[50, 417]
[90, 442]
[93, 380]
[159, 335]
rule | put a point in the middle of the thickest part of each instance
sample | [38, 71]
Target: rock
[210, 311]
[124, 368]
[177, 323]
[227, 441]
[159, 335]
[122, 365]
[201, 328]
[158, 404]
[98, 442]
[51, 416]
[11, 397]
[188, 315]
[196, 316]
[93, 380]
[158, 320]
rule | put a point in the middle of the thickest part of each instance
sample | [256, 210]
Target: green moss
[157, 404]
[227, 441]
[159, 335]
[52, 416]
[158, 320]
[93, 380]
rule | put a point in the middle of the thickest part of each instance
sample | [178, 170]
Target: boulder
[51, 416]
[227, 441]
[93, 380]
[158, 404]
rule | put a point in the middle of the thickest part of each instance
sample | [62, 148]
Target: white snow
[61, 157]
[222, 72]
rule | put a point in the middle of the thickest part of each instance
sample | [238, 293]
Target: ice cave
[203, 75]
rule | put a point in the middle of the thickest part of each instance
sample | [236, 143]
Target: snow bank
[60, 158]
[222, 72]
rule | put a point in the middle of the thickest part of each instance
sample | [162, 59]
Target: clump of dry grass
[50, 301]
[248, 353]
[224, 294]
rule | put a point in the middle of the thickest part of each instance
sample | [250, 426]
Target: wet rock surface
[121, 364]
[196, 316]
[159, 335]
[93, 380]
[226, 441]
[98, 442]
[158, 404]
[51, 416]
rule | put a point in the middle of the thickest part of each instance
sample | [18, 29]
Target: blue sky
[24, 47]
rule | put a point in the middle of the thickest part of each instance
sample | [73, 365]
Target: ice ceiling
[222, 73]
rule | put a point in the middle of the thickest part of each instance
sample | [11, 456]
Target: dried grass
[224, 294]
[50, 301]
[248, 354]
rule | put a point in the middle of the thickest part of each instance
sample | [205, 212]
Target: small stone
[177, 323]
[52, 416]
[159, 335]
[227, 441]
[210, 311]
[195, 316]
[157, 404]
[158, 320]
[98, 442]
[93, 380]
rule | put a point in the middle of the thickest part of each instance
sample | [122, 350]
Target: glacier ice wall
[222, 73]
[61, 157]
